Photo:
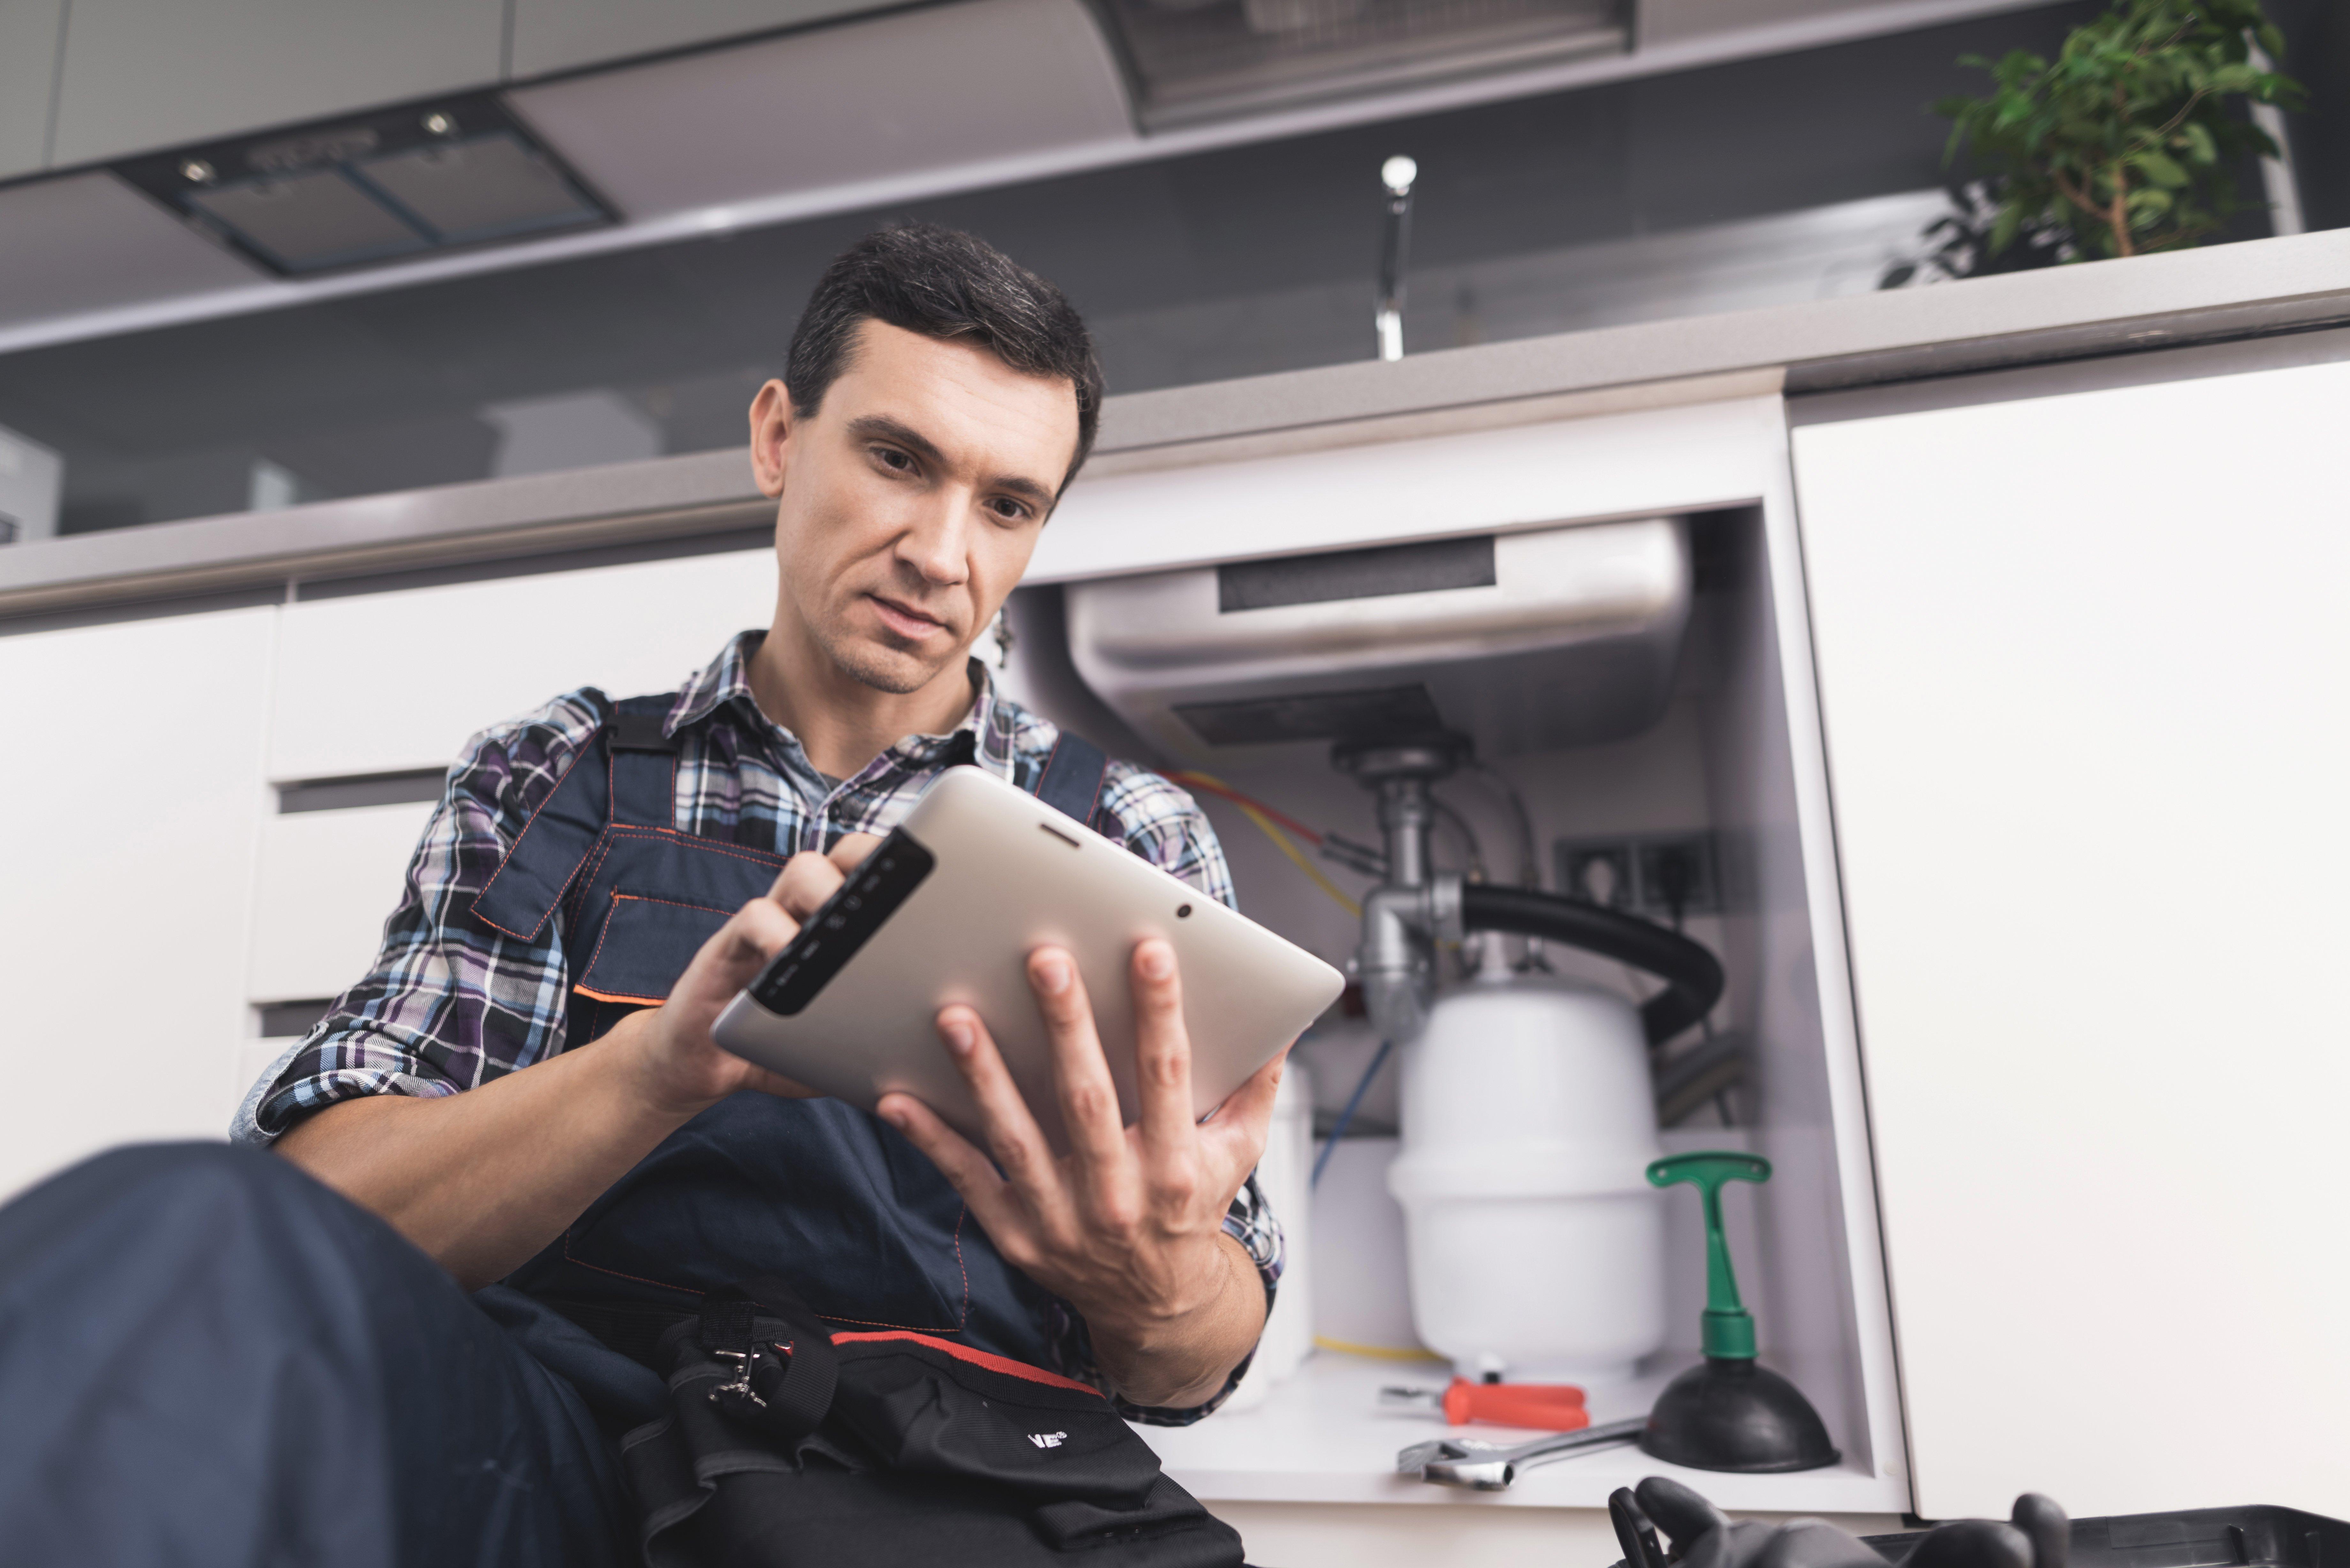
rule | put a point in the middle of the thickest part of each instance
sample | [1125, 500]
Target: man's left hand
[1129, 1225]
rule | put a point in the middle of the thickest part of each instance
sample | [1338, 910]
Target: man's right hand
[685, 1069]
[484, 1180]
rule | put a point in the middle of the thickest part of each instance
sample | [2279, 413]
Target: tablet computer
[978, 876]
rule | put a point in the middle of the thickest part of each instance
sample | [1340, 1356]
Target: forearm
[484, 1180]
[1185, 1360]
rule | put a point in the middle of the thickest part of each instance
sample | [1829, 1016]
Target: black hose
[1693, 976]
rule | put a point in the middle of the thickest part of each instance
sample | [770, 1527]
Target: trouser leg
[208, 1357]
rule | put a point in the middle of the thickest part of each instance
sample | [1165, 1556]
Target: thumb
[1240, 1123]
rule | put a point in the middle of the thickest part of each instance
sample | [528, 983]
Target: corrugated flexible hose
[1693, 976]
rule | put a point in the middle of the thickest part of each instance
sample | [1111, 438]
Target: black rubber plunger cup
[1728, 1412]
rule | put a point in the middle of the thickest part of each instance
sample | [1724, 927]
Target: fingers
[1013, 1135]
[967, 1170]
[1162, 1053]
[755, 933]
[808, 880]
[1081, 1080]
[783, 1088]
[852, 849]
[1238, 1127]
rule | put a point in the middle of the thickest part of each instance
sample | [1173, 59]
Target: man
[524, 1087]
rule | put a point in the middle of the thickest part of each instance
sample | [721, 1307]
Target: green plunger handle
[1727, 1331]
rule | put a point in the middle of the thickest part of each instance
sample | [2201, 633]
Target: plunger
[1728, 1412]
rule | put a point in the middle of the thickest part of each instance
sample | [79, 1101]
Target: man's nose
[935, 544]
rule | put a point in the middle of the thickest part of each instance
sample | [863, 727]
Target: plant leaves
[2003, 230]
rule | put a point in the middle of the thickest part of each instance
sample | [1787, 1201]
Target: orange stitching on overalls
[904, 1327]
[518, 936]
[588, 973]
[965, 1319]
[696, 841]
[605, 931]
[618, 996]
[617, 1274]
[602, 849]
[592, 863]
[612, 790]
[672, 903]
[515, 849]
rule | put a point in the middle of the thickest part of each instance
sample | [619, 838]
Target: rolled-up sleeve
[449, 1002]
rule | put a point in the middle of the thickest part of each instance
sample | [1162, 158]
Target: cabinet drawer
[392, 682]
[327, 880]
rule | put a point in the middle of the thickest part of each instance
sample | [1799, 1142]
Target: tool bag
[788, 1445]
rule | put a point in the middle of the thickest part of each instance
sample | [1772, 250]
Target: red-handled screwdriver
[1538, 1406]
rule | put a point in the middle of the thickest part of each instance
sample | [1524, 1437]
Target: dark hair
[943, 283]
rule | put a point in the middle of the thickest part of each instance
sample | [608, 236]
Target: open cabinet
[1729, 759]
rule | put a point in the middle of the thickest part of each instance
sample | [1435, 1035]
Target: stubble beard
[896, 672]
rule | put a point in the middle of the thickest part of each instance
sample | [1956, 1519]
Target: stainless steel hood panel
[1573, 639]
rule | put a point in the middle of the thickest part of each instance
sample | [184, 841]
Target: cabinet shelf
[1321, 1437]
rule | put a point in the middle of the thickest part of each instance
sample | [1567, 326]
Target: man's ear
[772, 424]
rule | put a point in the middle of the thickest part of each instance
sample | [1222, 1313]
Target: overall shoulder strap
[530, 882]
[643, 762]
[1071, 780]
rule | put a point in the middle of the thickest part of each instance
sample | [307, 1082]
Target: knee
[186, 1201]
[179, 1177]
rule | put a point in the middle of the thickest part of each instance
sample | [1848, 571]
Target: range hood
[395, 183]
[1193, 60]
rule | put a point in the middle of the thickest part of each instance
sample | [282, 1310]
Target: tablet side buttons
[847, 920]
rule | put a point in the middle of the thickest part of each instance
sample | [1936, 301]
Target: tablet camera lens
[1182, 911]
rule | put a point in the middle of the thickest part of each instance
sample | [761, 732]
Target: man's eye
[890, 457]
[1010, 511]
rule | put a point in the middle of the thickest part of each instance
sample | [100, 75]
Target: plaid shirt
[451, 1003]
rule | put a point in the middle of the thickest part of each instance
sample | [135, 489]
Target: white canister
[1535, 1243]
[1285, 1176]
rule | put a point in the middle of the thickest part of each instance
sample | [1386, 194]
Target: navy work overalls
[823, 1195]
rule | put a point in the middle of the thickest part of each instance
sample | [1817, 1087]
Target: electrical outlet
[1645, 874]
[1598, 872]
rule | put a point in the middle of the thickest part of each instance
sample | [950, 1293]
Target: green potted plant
[2125, 142]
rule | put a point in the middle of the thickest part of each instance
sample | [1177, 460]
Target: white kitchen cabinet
[138, 76]
[2085, 669]
[564, 35]
[983, 84]
[395, 681]
[327, 880]
[29, 31]
[129, 810]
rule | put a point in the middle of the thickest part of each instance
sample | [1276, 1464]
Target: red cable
[1200, 781]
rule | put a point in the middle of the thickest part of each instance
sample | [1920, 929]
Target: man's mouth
[903, 619]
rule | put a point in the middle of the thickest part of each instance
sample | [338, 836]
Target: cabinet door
[392, 682]
[28, 72]
[327, 880]
[138, 76]
[2085, 667]
[564, 35]
[129, 810]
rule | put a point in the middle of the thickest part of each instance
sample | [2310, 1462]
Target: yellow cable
[1376, 1352]
[1280, 839]
[1271, 830]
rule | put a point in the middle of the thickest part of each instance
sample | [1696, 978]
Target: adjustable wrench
[1488, 1466]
